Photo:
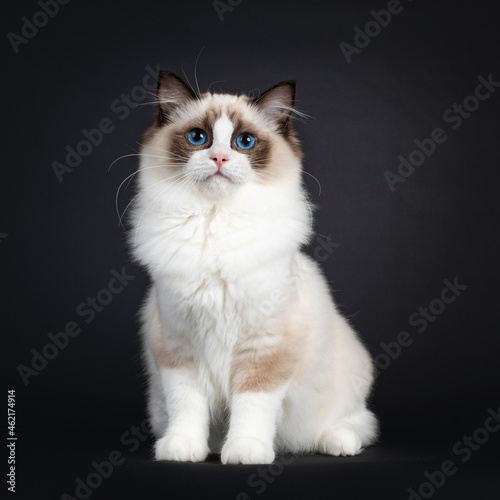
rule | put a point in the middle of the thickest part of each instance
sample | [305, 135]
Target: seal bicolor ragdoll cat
[245, 351]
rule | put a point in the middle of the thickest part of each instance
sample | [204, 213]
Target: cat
[244, 349]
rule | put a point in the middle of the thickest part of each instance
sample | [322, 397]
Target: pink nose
[219, 159]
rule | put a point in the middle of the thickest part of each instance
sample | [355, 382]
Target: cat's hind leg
[349, 435]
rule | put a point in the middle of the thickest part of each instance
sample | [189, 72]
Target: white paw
[181, 448]
[247, 450]
[340, 439]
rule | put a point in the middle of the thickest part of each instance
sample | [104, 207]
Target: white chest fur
[213, 270]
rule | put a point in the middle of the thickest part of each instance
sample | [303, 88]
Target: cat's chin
[217, 186]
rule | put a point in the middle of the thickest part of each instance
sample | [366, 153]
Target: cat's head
[216, 144]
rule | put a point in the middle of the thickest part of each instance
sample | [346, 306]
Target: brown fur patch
[150, 133]
[265, 372]
[292, 140]
[167, 358]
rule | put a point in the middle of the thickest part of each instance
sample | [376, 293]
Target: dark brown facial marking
[260, 154]
[180, 147]
[179, 143]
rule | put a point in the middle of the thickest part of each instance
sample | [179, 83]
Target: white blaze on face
[222, 133]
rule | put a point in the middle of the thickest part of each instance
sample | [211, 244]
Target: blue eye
[197, 137]
[245, 141]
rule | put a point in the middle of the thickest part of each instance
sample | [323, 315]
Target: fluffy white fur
[227, 274]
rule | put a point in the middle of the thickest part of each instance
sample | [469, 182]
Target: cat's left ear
[277, 104]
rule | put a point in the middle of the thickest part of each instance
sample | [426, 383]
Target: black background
[59, 241]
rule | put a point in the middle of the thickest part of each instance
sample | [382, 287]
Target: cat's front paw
[181, 448]
[247, 450]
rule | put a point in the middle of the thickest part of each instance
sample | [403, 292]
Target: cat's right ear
[172, 93]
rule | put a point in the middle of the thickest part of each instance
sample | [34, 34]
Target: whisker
[152, 156]
[155, 102]
[257, 93]
[137, 195]
[183, 181]
[195, 65]
[143, 154]
[120, 218]
[186, 158]
[319, 184]
[187, 79]
[216, 81]
[163, 151]
[121, 158]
